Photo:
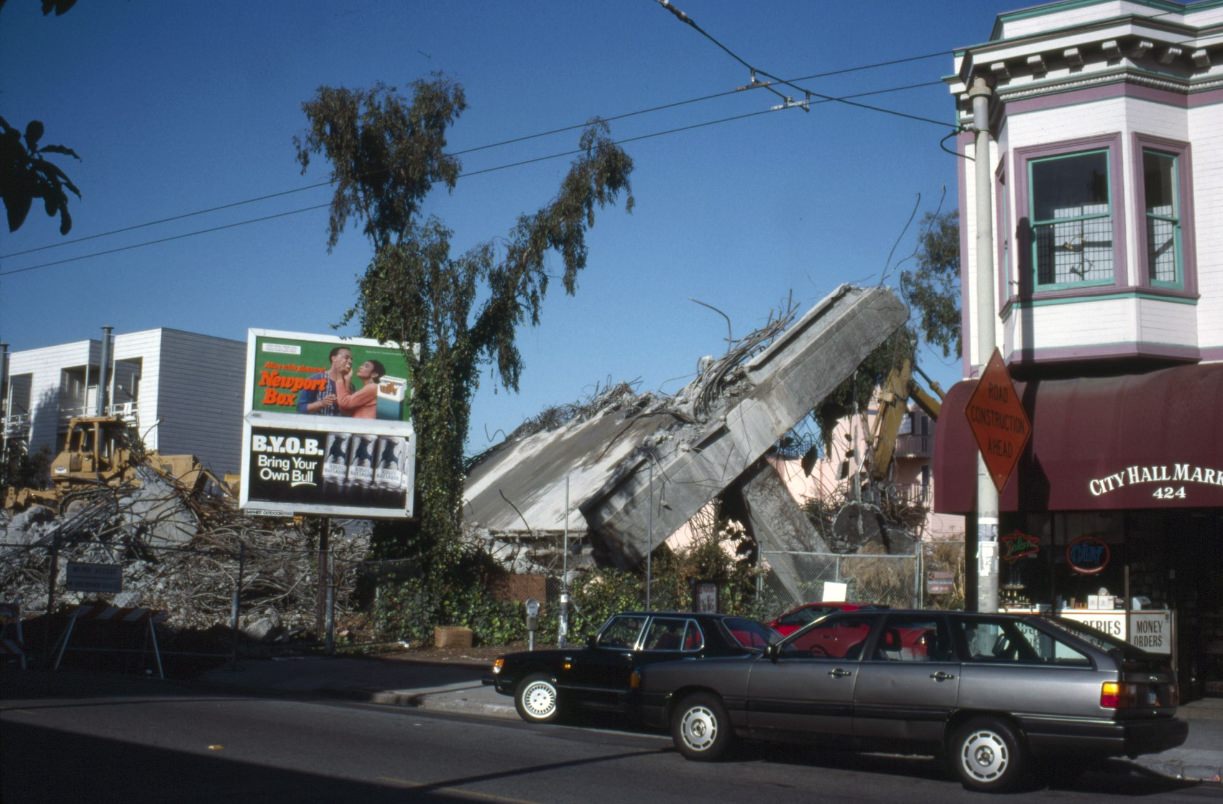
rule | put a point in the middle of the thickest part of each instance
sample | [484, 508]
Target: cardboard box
[452, 636]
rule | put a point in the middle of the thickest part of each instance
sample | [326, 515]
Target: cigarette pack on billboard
[391, 393]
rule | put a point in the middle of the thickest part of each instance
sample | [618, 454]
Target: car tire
[987, 755]
[537, 699]
[700, 728]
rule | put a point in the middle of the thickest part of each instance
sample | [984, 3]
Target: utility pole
[987, 493]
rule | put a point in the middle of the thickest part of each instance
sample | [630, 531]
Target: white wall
[45, 367]
[190, 394]
[199, 393]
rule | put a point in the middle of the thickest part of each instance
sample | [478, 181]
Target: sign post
[1001, 429]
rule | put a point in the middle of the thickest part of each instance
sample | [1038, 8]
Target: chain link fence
[930, 576]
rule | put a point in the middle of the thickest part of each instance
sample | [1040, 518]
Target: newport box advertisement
[327, 427]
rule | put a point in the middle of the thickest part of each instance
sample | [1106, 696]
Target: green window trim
[1162, 217]
[1072, 220]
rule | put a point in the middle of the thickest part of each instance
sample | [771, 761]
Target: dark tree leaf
[24, 176]
[33, 133]
[58, 6]
[59, 149]
[17, 208]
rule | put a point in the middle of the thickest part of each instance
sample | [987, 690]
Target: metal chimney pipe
[4, 376]
[104, 376]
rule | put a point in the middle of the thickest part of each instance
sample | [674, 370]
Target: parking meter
[532, 621]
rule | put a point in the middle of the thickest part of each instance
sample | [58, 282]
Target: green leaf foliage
[932, 289]
[387, 153]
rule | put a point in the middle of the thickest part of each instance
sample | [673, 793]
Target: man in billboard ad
[328, 427]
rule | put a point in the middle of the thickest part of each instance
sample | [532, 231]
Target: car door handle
[839, 673]
[941, 676]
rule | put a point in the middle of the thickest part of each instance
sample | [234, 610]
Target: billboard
[327, 428]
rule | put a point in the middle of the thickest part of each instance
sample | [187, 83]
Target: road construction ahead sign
[998, 421]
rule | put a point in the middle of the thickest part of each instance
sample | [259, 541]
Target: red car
[796, 618]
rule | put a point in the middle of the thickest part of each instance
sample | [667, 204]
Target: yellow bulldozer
[105, 451]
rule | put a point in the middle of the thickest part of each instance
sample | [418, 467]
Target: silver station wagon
[991, 692]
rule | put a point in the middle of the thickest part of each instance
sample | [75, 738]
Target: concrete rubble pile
[622, 473]
[181, 552]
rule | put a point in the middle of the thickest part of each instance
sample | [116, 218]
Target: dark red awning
[1098, 443]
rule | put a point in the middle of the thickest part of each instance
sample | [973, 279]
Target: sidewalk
[457, 687]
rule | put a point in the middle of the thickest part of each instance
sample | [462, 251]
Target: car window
[839, 636]
[914, 638]
[666, 633]
[749, 633]
[621, 632]
[1104, 642]
[694, 638]
[804, 615]
[1014, 642]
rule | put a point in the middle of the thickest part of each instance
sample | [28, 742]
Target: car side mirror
[592, 642]
[773, 650]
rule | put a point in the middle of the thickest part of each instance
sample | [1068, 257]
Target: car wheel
[537, 699]
[700, 727]
[987, 755]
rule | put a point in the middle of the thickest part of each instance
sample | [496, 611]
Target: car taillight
[498, 664]
[1118, 695]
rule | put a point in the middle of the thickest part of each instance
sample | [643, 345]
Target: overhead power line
[754, 71]
[464, 175]
[498, 144]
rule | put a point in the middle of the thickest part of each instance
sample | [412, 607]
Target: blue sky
[176, 107]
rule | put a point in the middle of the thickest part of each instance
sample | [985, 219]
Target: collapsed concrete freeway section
[625, 475]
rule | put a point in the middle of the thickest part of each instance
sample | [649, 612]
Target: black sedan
[992, 692]
[545, 683]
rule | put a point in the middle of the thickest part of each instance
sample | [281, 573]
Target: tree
[387, 154]
[24, 173]
[932, 291]
[933, 288]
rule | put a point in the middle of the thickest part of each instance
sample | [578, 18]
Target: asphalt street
[325, 728]
[74, 736]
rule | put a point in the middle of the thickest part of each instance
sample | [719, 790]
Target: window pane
[836, 637]
[1157, 177]
[749, 633]
[665, 634]
[1010, 642]
[1072, 219]
[1074, 251]
[1070, 186]
[1159, 181]
[622, 632]
[908, 638]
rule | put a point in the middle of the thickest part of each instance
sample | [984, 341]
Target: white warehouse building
[181, 390]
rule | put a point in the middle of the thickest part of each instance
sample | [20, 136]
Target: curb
[464, 698]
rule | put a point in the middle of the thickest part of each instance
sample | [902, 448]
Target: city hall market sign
[1169, 481]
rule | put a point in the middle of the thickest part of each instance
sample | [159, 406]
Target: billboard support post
[330, 641]
[237, 602]
[324, 547]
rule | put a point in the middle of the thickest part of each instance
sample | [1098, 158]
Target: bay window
[1071, 219]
